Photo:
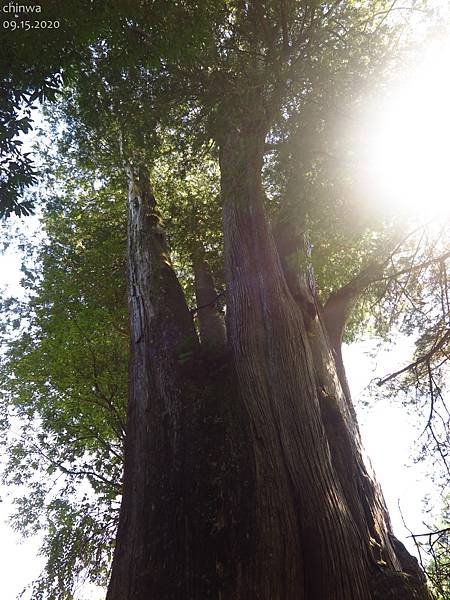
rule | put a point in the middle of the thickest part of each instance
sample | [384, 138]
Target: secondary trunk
[210, 322]
[162, 342]
[398, 574]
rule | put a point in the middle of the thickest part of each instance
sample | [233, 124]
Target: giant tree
[244, 475]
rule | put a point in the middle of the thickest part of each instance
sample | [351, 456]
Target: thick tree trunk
[308, 539]
[244, 476]
[185, 527]
[332, 515]
[148, 561]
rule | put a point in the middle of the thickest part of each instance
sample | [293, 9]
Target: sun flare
[408, 143]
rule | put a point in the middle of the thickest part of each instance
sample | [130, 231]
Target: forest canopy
[213, 228]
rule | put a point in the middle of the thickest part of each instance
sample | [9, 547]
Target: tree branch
[340, 303]
[437, 532]
[195, 310]
[422, 359]
[76, 472]
[418, 267]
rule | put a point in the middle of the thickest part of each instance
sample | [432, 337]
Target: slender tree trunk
[210, 322]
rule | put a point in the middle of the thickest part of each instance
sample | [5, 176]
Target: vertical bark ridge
[359, 482]
[274, 368]
[186, 525]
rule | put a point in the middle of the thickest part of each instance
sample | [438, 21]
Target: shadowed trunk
[244, 476]
[188, 475]
[162, 344]
[397, 573]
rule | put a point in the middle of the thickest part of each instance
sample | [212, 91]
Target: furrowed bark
[245, 482]
[308, 544]
[401, 575]
[148, 561]
[395, 569]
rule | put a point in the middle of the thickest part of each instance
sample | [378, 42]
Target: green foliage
[77, 546]
[413, 297]
[64, 383]
[94, 43]
[188, 192]
[29, 77]
[438, 570]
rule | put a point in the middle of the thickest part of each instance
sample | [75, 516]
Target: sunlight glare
[408, 145]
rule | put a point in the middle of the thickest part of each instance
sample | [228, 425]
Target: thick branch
[194, 311]
[341, 302]
[338, 307]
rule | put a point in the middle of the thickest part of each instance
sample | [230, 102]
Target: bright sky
[19, 558]
[389, 433]
[405, 159]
